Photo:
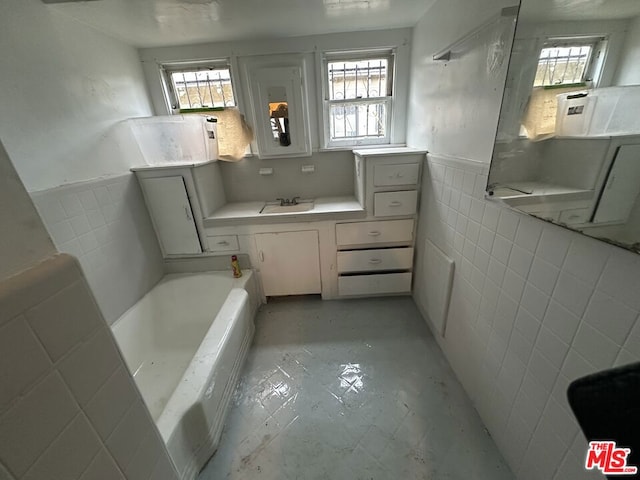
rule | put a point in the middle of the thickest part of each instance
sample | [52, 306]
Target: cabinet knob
[224, 243]
[187, 213]
[261, 254]
[374, 233]
[375, 261]
[395, 204]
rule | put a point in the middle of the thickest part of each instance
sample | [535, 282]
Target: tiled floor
[350, 390]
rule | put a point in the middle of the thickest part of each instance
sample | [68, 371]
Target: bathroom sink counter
[249, 212]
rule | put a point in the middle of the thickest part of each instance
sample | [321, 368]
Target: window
[563, 65]
[199, 87]
[358, 98]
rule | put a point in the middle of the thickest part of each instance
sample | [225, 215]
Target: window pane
[562, 65]
[203, 88]
[358, 79]
[357, 120]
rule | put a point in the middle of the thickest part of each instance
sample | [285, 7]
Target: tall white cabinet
[172, 214]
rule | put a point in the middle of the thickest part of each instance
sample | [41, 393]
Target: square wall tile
[551, 347]
[128, 435]
[501, 249]
[553, 245]
[520, 261]
[594, 346]
[31, 425]
[103, 467]
[65, 319]
[572, 293]
[586, 259]
[610, 317]
[31, 287]
[508, 224]
[69, 455]
[111, 402]
[98, 351]
[23, 360]
[528, 234]
[534, 301]
[144, 460]
[543, 275]
[561, 321]
[620, 278]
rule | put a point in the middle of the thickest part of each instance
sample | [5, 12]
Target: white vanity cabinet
[375, 257]
[289, 262]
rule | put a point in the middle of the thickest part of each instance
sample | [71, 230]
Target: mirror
[279, 115]
[568, 143]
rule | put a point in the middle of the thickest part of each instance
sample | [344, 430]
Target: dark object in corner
[607, 407]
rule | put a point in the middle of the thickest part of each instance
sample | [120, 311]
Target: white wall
[629, 71]
[533, 306]
[64, 87]
[24, 240]
[449, 100]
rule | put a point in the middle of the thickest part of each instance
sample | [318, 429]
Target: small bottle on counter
[237, 273]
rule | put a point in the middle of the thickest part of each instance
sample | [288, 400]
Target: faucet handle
[282, 201]
[294, 200]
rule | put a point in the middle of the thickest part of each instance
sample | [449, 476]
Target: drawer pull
[395, 204]
[375, 261]
[374, 233]
[223, 243]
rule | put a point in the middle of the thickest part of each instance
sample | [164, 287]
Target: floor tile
[350, 389]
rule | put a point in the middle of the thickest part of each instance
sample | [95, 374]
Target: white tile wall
[68, 406]
[104, 223]
[540, 307]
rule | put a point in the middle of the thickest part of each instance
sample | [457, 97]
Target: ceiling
[557, 10]
[154, 23]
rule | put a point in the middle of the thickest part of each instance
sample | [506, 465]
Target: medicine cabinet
[278, 94]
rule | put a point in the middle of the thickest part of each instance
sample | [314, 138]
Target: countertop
[249, 212]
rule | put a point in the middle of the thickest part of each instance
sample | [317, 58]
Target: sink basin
[271, 208]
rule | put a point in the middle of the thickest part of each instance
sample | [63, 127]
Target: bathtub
[185, 342]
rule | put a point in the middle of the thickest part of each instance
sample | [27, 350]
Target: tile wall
[533, 307]
[105, 224]
[68, 406]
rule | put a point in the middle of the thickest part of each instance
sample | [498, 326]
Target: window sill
[350, 148]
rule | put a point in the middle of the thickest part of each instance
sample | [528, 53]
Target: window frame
[592, 72]
[388, 100]
[171, 96]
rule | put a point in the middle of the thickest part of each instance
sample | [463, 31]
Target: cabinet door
[289, 263]
[172, 216]
[623, 185]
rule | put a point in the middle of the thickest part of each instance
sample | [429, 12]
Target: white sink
[277, 208]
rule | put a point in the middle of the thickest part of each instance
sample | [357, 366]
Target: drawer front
[399, 174]
[577, 215]
[390, 204]
[223, 243]
[374, 284]
[375, 260]
[364, 233]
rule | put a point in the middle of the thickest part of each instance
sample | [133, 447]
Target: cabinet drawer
[399, 174]
[390, 204]
[364, 233]
[374, 284]
[375, 260]
[576, 215]
[223, 243]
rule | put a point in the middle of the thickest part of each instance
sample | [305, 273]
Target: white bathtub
[185, 343]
